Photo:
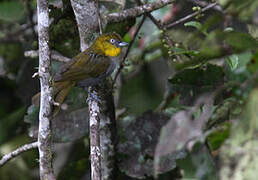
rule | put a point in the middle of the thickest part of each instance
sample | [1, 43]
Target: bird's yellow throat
[112, 51]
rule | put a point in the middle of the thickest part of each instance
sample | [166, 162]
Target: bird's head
[109, 44]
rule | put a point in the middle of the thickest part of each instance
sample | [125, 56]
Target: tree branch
[17, 152]
[204, 3]
[44, 134]
[191, 15]
[136, 11]
[121, 65]
[54, 55]
[160, 27]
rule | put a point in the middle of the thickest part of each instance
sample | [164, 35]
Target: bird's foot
[93, 97]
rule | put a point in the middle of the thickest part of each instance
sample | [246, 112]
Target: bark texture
[108, 132]
[86, 17]
[44, 134]
[95, 151]
[101, 112]
[136, 11]
[17, 152]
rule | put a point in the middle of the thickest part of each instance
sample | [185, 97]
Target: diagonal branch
[160, 27]
[54, 55]
[186, 18]
[136, 11]
[121, 65]
[17, 152]
[204, 4]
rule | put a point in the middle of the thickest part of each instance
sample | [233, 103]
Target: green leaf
[219, 44]
[195, 24]
[233, 61]
[190, 83]
[198, 77]
[240, 41]
[11, 11]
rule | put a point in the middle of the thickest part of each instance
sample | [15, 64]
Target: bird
[88, 68]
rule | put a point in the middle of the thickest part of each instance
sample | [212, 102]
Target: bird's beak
[122, 44]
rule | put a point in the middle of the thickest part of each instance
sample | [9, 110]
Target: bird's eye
[112, 41]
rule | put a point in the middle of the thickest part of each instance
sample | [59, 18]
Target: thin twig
[204, 4]
[121, 65]
[190, 15]
[35, 74]
[137, 11]
[54, 55]
[163, 27]
[17, 152]
[160, 27]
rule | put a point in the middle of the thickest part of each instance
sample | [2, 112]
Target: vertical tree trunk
[44, 134]
[102, 114]
[95, 151]
[108, 133]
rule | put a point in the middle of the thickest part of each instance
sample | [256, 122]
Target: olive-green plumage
[88, 68]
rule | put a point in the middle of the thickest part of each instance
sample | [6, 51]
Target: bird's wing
[83, 66]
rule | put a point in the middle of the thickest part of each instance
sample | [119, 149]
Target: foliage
[11, 11]
[186, 111]
[240, 148]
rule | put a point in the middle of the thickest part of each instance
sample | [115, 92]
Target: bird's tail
[60, 91]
